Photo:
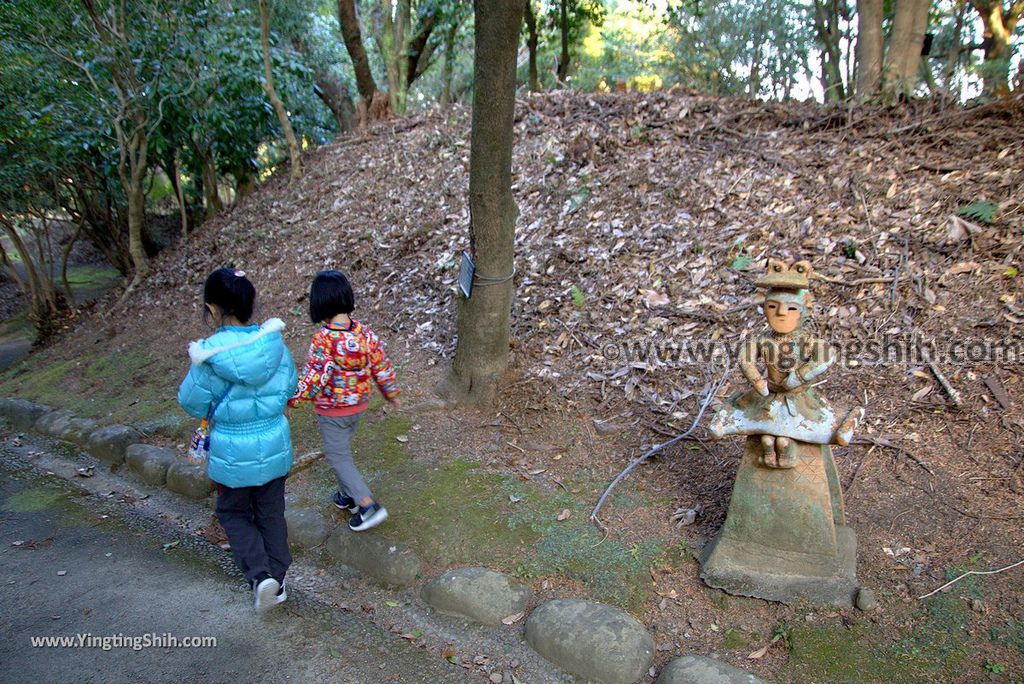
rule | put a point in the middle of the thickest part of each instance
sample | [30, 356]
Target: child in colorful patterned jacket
[345, 360]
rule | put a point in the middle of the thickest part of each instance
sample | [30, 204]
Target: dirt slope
[647, 218]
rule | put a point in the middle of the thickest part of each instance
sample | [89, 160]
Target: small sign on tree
[466, 270]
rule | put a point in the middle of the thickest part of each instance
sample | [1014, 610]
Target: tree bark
[294, 151]
[826, 24]
[333, 94]
[211, 192]
[999, 28]
[449, 65]
[179, 193]
[531, 44]
[563, 26]
[908, 28]
[870, 47]
[348, 19]
[481, 355]
[420, 48]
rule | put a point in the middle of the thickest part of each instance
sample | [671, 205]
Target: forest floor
[647, 218]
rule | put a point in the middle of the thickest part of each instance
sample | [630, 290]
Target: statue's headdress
[789, 282]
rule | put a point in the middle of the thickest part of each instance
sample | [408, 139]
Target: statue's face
[783, 317]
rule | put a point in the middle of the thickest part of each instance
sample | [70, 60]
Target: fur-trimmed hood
[247, 355]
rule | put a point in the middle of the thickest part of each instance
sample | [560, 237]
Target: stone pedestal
[785, 536]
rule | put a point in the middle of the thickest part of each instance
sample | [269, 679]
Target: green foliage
[981, 211]
[578, 298]
[994, 667]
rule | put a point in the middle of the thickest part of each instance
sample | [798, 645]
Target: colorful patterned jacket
[343, 365]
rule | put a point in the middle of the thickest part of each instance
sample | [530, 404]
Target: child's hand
[287, 411]
[396, 403]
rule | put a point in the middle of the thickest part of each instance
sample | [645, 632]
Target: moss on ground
[935, 647]
[32, 500]
[457, 513]
[834, 654]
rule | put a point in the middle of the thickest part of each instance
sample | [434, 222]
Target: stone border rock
[115, 445]
[585, 638]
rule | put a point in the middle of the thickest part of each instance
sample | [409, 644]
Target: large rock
[387, 561]
[591, 640]
[150, 462]
[110, 443]
[22, 414]
[306, 527]
[63, 425]
[701, 670]
[478, 594]
[189, 480]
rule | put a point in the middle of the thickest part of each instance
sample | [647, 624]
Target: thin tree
[531, 44]
[999, 25]
[481, 355]
[870, 46]
[904, 58]
[294, 151]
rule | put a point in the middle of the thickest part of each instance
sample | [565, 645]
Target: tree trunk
[395, 48]
[870, 46]
[449, 65]
[826, 24]
[904, 58]
[294, 151]
[104, 226]
[563, 26]
[348, 19]
[136, 229]
[481, 355]
[211, 192]
[132, 168]
[955, 50]
[30, 283]
[999, 28]
[531, 44]
[420, 48]
[179, 193]
[333, 94]
[69, 293]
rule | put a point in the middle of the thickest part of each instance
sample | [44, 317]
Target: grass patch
[502, 522]
[833, 654]
[112, 386]
[32, 500]
[92, 277]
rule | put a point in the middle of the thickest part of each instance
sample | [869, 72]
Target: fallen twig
[712, 391]
[953, 394]
[882, 442]
[971, 572]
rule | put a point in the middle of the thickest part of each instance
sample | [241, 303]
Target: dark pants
[253, 518]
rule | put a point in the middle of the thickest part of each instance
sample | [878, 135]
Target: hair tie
[239, 273]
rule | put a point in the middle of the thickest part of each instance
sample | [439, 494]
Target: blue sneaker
[367, 517]
[345, 503]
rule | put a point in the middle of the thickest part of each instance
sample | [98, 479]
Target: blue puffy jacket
[252, 369]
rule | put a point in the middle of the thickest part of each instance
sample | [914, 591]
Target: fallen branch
[859, 281]
[971, 572]
[953, 394]
[712, 391]
[882, 442]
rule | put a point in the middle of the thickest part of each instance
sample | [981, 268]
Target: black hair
[231, 292]
[330, 295]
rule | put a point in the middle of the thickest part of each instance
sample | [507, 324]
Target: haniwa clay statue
[785, 536]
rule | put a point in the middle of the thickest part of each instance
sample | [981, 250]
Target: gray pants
[337, 434]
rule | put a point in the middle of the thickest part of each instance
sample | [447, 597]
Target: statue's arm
[821, 359]
[748, 366]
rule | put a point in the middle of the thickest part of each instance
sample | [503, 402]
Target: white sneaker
[282, 593]
[265, 594]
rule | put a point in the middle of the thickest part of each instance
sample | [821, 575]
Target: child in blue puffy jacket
[244, 375]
